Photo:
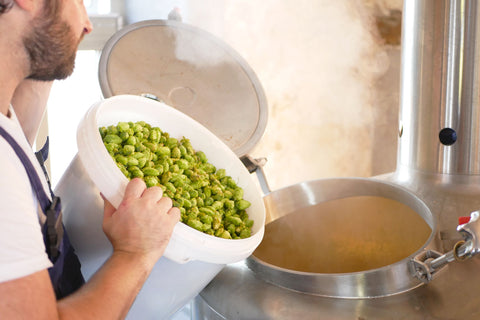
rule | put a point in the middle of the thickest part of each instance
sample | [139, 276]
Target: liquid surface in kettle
[344, 235]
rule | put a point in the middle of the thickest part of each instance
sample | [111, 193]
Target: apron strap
[31, 172]
[49, 208]
[65, 274]
[42, 156]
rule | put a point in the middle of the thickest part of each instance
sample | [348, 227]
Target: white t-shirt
[22, 251]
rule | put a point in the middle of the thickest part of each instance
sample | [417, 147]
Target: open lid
[192, 71]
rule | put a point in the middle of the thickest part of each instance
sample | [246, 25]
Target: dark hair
[5, 5]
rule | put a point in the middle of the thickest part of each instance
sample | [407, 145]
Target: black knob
[447, 136]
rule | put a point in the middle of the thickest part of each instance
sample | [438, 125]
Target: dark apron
[65, 274]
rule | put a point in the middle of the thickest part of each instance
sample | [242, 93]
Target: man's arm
[29, 297]
[139, 231]
[111, 291]
[29, 102]
[108, 295]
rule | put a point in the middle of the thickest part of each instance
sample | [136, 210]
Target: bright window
[71, 98]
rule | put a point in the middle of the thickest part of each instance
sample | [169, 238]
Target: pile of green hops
[210, 201]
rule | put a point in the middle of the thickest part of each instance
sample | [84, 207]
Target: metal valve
[426, 264]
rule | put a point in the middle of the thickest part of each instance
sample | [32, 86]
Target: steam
[319, 63]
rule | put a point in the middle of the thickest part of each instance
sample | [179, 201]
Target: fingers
[174, 212]
[153, 194]
[165, 205]
[108, 208]
[137, 190]
[134, 189]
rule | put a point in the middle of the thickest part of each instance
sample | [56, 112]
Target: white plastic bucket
[192, 259]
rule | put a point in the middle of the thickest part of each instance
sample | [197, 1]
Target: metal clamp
[426, 264]
[421, 266]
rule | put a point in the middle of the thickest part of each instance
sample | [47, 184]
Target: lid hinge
[256, 166]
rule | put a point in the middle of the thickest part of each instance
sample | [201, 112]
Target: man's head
[51, 39]
[51, 44]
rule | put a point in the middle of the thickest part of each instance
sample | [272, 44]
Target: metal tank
[437, 176]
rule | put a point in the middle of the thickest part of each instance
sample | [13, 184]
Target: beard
[51, 47]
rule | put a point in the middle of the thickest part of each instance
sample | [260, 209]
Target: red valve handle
[463, 220]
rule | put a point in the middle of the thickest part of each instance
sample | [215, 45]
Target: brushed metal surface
[370, 271]
[439, 90]
[440, 86]
[239, 293]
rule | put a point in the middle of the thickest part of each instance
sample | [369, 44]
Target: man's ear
[28, 5]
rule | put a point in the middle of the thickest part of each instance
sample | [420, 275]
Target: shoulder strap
[31, 172]
[42, 156]
[65, 274]
[50, 208]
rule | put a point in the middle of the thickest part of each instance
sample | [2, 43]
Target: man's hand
[143, 223]
[139, 231]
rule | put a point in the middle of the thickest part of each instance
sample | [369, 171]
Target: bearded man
[39, 273]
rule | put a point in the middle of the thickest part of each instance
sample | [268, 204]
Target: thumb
[108, 208]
